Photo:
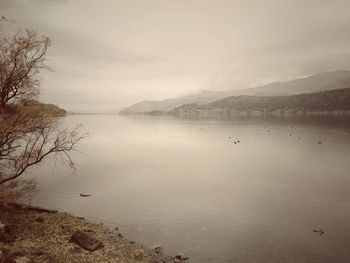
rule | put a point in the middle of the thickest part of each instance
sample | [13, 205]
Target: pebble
[139, 253]
[180, 255]
[157, 248]
[39, 219]
[2, 228]
[7, 233]
[23, 260]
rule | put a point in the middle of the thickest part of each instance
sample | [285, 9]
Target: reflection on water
[187, 185]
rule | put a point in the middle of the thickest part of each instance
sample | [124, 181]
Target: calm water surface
[186, 185]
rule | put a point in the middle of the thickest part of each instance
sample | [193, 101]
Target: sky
[108, 54]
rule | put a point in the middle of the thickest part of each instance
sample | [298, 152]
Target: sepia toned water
[186, 185]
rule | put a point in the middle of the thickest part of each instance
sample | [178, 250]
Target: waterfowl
[318, 231]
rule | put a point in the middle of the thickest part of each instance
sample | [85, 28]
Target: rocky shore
[33, 235]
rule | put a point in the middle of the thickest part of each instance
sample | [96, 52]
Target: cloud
[122, 51]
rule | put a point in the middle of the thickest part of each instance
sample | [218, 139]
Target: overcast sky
[108, 54]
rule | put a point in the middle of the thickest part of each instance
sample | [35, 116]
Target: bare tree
[28, 134]
[21, 59]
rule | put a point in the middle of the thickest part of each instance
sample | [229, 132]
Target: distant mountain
[204, 96]
[323, 102]
[319, 82]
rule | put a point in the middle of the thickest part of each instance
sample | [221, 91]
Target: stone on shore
[7, 233]
[139, 253]
[157, 248]
[39, 219]
[180, 255]
[86, 241]
[23, 260]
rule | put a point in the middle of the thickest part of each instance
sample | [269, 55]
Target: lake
[186, 185]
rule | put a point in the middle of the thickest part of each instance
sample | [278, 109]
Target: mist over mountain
[314, 83]
[322, 102]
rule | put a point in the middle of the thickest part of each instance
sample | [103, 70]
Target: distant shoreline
[278, 113]
[91, 113]
[234, 113]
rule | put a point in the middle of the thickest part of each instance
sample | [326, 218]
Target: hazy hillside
[204, 96]
[51, 109]
[320, 102]
[319, 82]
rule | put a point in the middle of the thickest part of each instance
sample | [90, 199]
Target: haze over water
[186, 185]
